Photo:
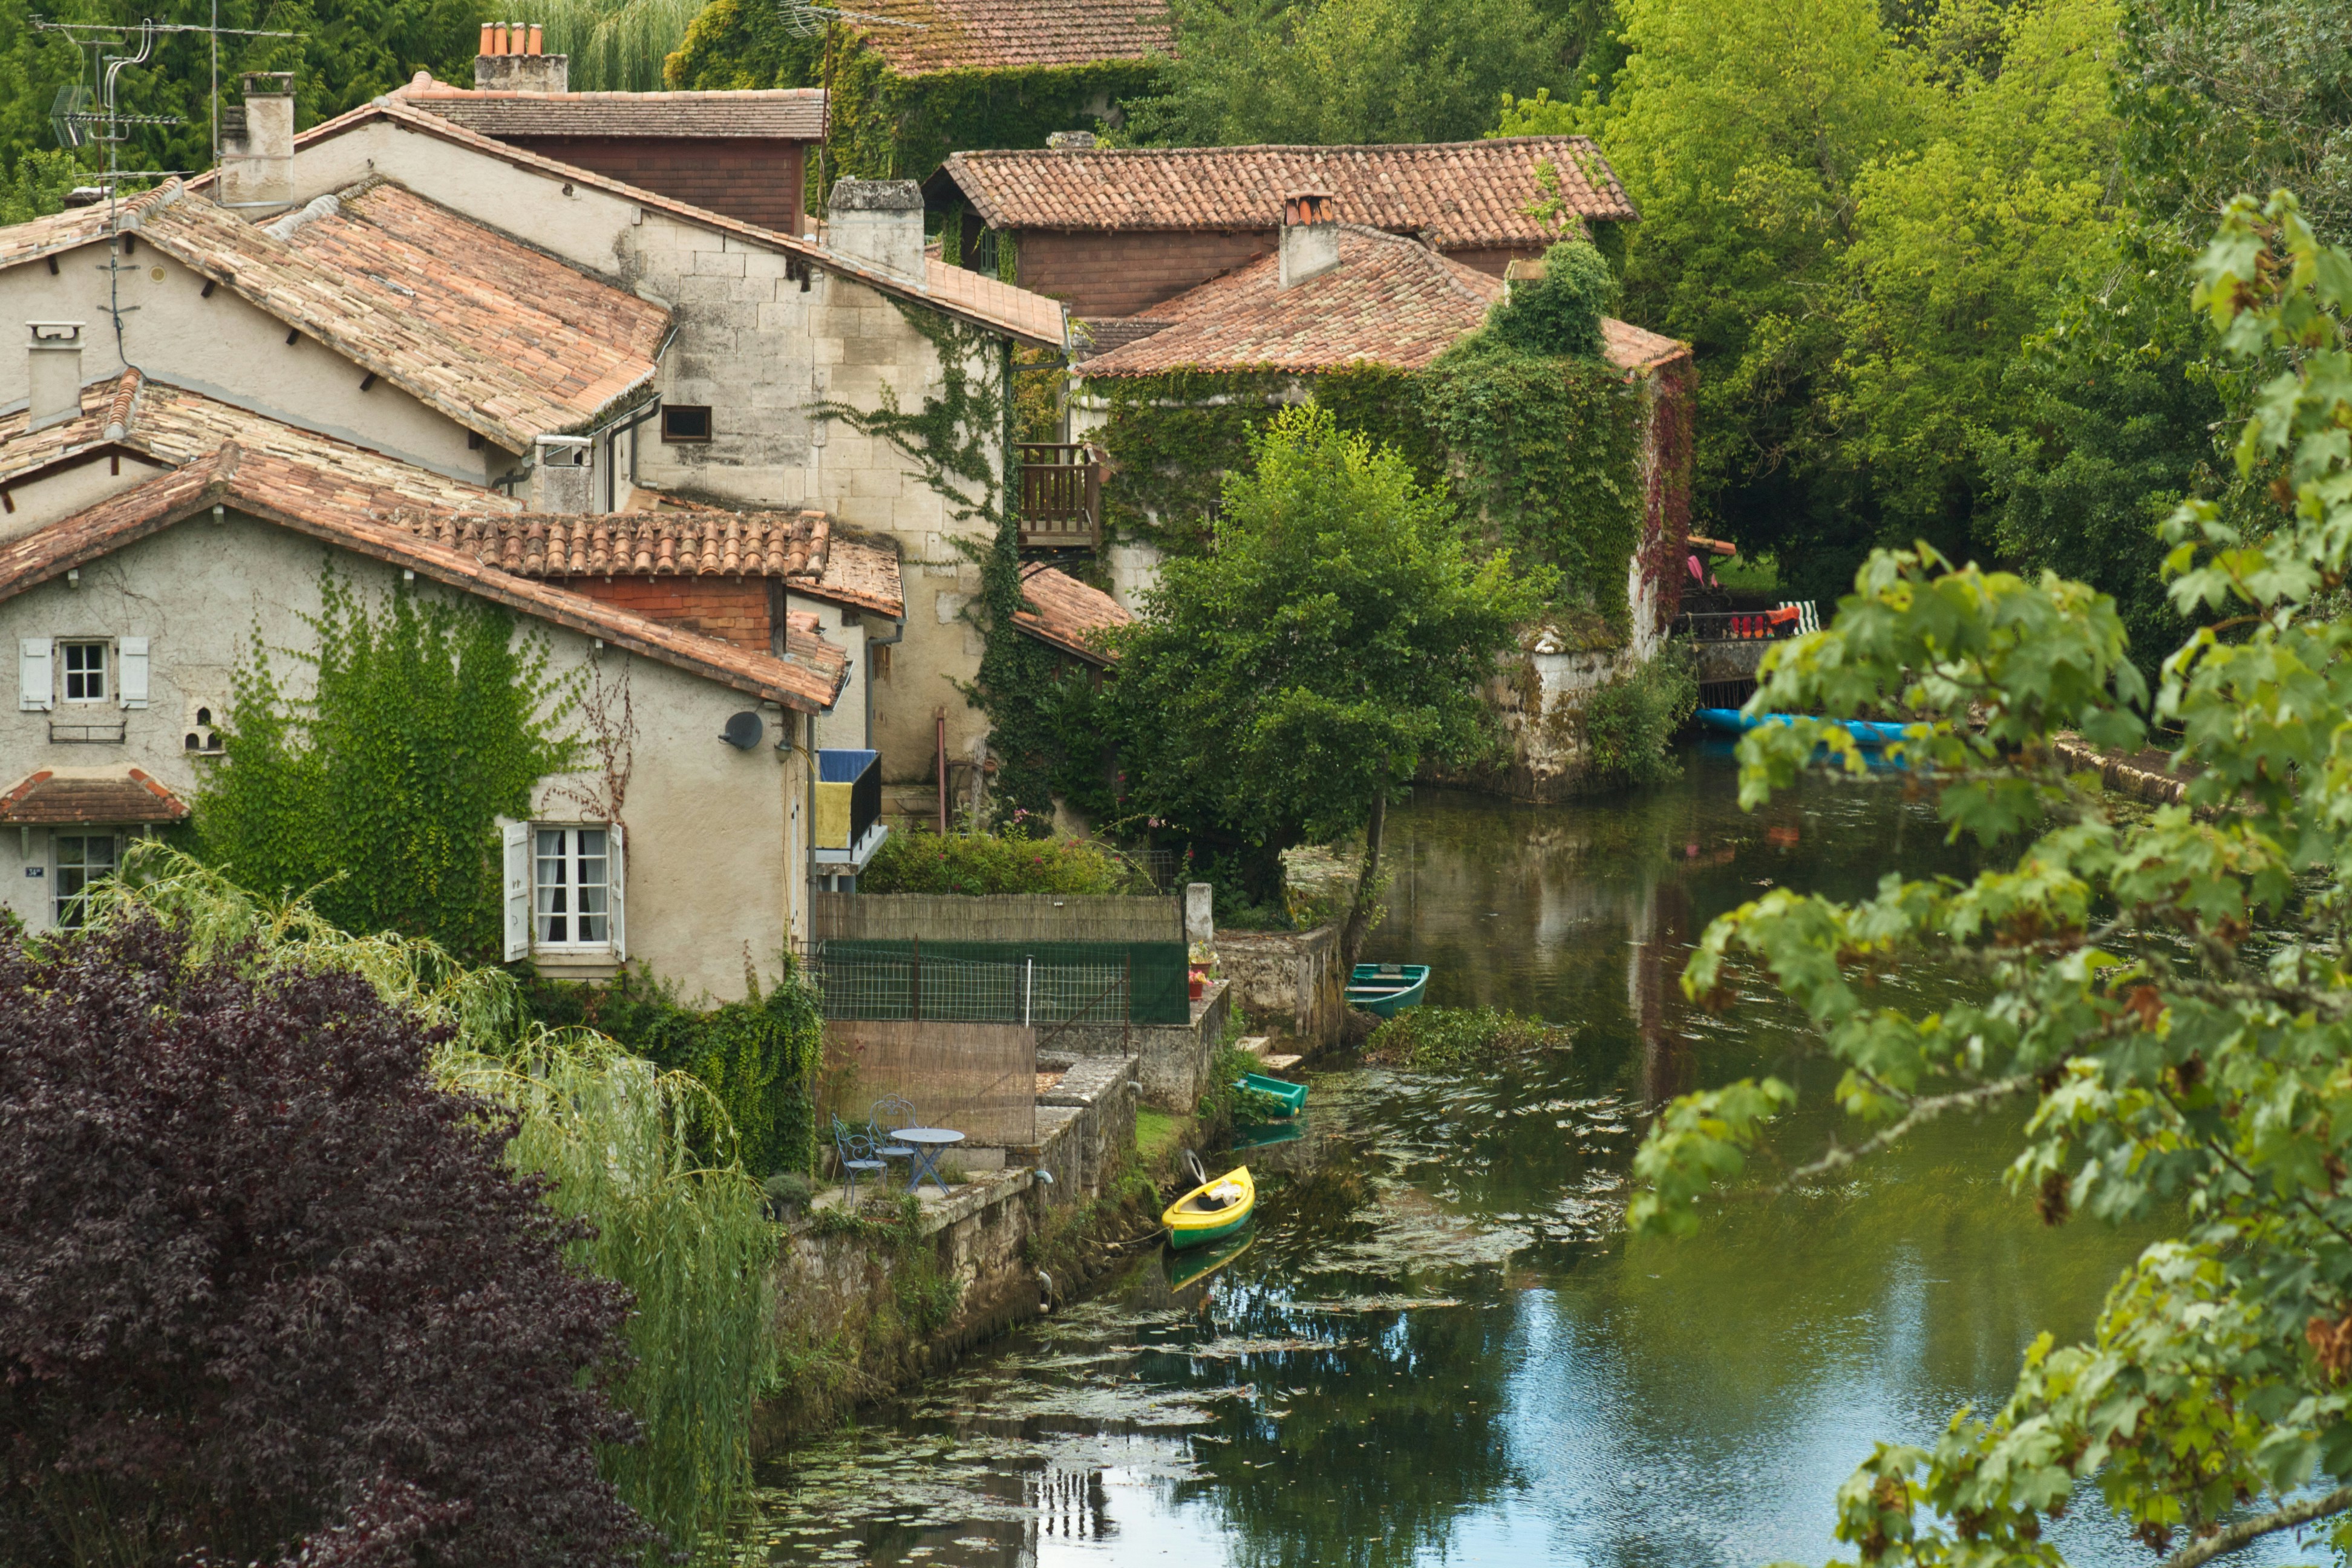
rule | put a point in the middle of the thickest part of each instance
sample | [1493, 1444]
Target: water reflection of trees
[1381, 1446]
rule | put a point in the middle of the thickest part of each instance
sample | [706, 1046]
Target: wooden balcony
[1061, 496]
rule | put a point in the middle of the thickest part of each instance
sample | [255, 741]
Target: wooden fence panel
[979, 1079]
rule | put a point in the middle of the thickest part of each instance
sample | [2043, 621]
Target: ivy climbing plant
[378, 792]
[960, 440]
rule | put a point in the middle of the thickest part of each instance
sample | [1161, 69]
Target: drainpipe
[940, 718]
[897, 634]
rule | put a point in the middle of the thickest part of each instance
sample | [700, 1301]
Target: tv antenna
[804, 19]
[87, 113]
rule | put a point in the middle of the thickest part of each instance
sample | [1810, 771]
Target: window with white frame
[572, 887]
[80, 859]
[83, 666]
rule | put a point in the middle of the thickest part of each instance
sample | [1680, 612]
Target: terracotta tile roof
[352, 515]
[79, 225]
[1391, 300]
[984, 301]
[798, 547]
[504, 340]
[1000, 35]
[1460, 192]
[1629, 347]
[129, 795]
[174, 425]
[789, 115]
[1100, 336]
[1068, 614]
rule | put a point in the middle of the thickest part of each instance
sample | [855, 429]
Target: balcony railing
[1061, 496]
[849, 828]
[1748, 625]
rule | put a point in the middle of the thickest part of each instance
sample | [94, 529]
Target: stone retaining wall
[1172, 1060]
[1288, 982]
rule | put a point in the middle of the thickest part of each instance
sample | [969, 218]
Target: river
[1438, 1345]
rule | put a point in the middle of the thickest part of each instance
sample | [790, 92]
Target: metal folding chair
[856, 1151]
[888, 1114]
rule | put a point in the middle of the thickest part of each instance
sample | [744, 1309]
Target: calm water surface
[1439, 1346]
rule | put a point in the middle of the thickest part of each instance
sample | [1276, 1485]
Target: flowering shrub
[978, 863]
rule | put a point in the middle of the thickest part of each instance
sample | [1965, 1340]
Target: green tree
[345, 53]
[2169, 992]
[1743, 134]
[1344, 71]
[1559, 313]
[1958, 248]
[379, 793]
[1333, 640]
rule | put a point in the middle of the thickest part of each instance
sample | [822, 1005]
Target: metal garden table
[928, 1143]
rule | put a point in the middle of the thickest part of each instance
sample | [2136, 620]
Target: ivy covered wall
[1545, 454]
[885, 126]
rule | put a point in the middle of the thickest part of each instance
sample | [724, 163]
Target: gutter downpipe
[897, 634]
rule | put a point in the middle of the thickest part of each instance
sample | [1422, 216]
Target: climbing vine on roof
[887, 126]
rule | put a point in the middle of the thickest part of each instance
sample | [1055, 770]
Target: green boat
[1289, 1097]
[1384, 990]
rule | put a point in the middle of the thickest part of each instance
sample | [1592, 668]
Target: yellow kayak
[1212, 1210]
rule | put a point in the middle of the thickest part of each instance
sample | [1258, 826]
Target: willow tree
[1331, 641]
[2166, 996]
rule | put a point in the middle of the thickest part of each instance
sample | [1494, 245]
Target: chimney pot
[512, 61]
[879, 222]
[1310, 237]
[53, 374]
[489, 38]
[257, 144]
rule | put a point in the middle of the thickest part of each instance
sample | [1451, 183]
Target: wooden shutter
[616, 862]
[132, 676]
[36, 682]
[517, 889]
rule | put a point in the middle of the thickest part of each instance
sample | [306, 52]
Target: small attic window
[683, 422]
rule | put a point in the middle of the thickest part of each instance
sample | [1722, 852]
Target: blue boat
[1866, 732]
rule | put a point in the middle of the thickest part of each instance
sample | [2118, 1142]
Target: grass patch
[1429, 1037]
[1744, 574]
[1155, 1133]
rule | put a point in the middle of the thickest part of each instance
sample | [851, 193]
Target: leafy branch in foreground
[2173, 991]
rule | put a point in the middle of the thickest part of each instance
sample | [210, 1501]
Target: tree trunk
[1359, 917]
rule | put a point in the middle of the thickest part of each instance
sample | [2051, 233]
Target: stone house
[1333, 297]
[670, 847]
[1113, 232]
[743, 154]
[608, 402]
[489, 314]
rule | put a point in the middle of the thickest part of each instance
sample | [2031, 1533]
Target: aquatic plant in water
[691, 1241]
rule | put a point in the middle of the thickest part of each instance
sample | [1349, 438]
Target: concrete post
[1200, 923]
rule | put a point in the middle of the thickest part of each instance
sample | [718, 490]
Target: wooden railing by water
[1061, 496]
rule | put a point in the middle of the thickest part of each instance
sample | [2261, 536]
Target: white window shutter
[517, 889]
[132, 653]
[616, 861]
[36, 685]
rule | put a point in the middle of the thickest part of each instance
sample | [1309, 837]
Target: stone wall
[1287, 982]
[1171, 1059]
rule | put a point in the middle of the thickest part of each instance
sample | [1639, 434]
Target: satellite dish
[743, 730]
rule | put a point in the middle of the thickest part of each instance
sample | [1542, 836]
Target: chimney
[257, 144]
[563, 475]
[511, 61]
[53, 374]
[1310, 239]
[1071, 140]
[879, 222]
